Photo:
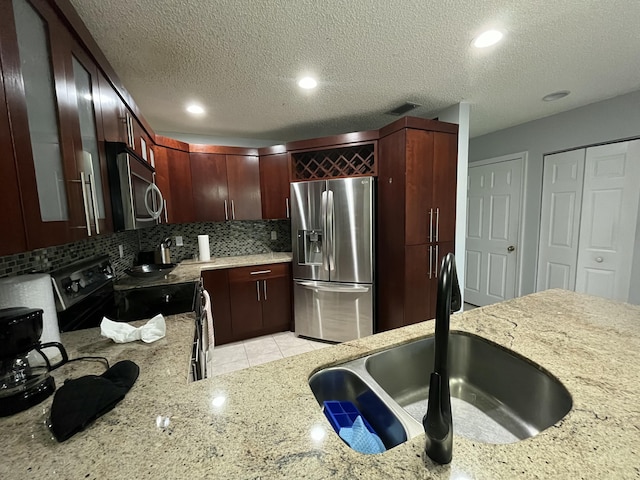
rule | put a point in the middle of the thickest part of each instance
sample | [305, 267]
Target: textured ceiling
[241, 59]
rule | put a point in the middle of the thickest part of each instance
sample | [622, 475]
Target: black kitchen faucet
[437, 422]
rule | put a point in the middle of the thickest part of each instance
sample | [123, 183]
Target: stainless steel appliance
[136, 201]
[332, 223]
[84, 293]
[24, 368]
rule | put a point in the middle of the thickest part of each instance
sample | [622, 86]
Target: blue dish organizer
[343, 414]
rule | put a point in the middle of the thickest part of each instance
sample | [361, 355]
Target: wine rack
[350, 161]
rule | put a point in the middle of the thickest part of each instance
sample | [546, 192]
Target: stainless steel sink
[497, 395]
[344, 385]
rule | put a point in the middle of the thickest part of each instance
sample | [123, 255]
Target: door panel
[350, 219]
[243, 178]
[419, 208]
[274, 186]
[492, 225]
[209, 180]
[246, 307]
[308, 230]
[560, 219]
[608, 222]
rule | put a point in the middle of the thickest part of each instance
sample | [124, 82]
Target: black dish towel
[80, 401]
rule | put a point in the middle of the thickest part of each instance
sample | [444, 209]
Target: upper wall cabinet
[225, 187]
[11, 219]
[51, 89]
[173, 177]
[274, 185]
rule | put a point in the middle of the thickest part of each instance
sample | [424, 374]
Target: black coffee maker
[24, 367]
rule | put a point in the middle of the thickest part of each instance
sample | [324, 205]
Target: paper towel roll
[33, 291]
[203, 247]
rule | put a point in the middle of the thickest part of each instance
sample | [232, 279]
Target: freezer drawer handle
[322, 288]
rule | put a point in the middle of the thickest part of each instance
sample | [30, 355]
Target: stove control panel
[75, 282]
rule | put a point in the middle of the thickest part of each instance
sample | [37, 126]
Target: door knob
[599, 259]
[510, 248]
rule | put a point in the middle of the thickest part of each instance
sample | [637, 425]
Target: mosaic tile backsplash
[226, 239]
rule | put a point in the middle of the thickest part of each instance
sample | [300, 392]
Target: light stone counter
[190, 270]
[258, 422]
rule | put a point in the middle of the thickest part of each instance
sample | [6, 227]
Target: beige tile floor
[236, 356]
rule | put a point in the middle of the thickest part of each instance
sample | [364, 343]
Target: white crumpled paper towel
[121, 332]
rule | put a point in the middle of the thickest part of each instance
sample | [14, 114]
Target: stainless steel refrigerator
[332, 223]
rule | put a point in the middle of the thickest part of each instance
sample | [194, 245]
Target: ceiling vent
[402, 109]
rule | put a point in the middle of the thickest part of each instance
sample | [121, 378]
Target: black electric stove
[84, 295]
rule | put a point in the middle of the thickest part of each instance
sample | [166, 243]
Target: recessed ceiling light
[556, 96]
[195, 109]
[307, 83]
[488, 38]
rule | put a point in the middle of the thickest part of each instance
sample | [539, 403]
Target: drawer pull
[260, 272]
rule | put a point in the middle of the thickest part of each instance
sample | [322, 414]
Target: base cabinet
[249, 302]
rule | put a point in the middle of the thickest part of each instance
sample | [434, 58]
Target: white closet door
[560, 219]
[608, 224]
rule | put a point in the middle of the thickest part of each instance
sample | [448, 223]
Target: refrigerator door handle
[326, 288]
[332, 231]
[325, 240]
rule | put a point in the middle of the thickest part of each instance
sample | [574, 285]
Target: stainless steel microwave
[136, 200]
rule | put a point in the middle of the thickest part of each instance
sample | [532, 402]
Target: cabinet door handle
[437, 259]
[431, 224]
[287, 205]
[264, 289]
[233, 211]
[437, 224]
[430, 261]
[166, 214]
[226, 214]
[258, 272]
[85, 203]
[94, 201]
[258, 289]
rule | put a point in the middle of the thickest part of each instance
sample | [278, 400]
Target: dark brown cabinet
[210, 190]
[249, 301]
[225, 187]
[416, 218]
[51, 89]
[274, 185]
[173, 177]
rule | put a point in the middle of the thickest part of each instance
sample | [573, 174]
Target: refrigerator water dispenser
[310, 244]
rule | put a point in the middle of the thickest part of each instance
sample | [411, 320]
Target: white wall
[602, 122]
[222, 141]
[460, 114]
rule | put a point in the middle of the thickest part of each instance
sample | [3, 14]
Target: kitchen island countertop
[263, 422]
[190, 270]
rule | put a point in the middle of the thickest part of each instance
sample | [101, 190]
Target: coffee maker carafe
[24, 367]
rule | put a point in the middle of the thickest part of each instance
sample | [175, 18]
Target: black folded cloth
[81, 400]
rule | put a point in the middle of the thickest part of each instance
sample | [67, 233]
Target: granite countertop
[190, 270]
[258, 422]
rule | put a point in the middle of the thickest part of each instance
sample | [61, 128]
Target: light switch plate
[179, 241]
[274, 235]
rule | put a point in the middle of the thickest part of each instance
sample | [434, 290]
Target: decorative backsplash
[226, 239]
[52, 258]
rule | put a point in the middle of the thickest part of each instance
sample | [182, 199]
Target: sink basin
[150, 270]
[344, 385]
[497, 396]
